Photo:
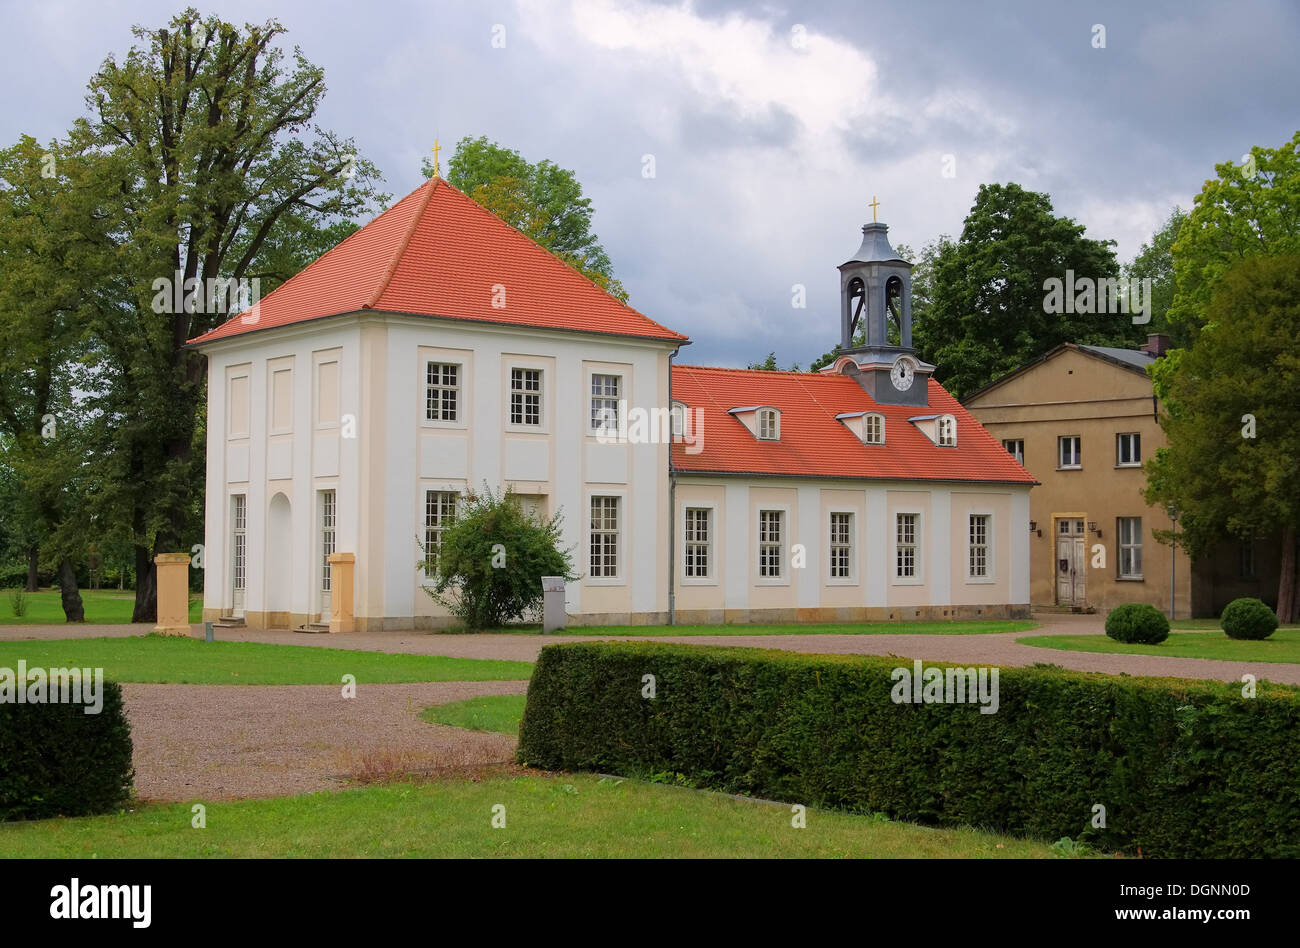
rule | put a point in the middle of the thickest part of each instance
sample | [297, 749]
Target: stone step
[314, 628]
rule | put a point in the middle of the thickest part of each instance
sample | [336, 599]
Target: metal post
[207, 631]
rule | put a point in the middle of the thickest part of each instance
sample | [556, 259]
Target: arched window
[947, 429]
[677, 418]
[769, 424]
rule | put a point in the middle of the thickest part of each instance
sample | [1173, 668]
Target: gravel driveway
[213, 742]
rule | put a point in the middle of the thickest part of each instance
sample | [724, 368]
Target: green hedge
[1183, 768]
[56, 760]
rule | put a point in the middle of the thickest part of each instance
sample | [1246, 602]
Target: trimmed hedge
[1137, 622]
[1248, 619]
[1183, 768]
[56, 760]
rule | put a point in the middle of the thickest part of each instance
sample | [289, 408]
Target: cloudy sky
[771, 125]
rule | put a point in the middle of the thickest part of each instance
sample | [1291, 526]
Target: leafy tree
[1155, 262]
[489, 566]
[1233, 421]
[201, 155]
[987, 314]
[542, 200]
[1252, 208]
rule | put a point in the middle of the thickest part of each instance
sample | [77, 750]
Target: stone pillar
[173, 593]
[341, 569]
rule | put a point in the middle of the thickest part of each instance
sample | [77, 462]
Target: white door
[238, 553]
[327, 547]
[1071, 564]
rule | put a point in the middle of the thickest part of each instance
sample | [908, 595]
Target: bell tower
[876, 303]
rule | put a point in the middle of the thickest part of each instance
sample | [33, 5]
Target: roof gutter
[672, 501]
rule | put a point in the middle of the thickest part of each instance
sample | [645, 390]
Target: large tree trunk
[72, 607]
[33, 570]
[146, 587]
[1286, 604]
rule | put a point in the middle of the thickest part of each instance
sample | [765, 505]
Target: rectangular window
[1128, 450]
[698, 538]
[526, 397]
[769, 425]
[874, 426]
[439, 512]
[1016, 448]
[326, 536]
[239, 518]
[905, 546]
[771, 524]
[841, 545]
[978, 555]
[1068, 451]
[1129, 530]
[604, 537]
[1248, 559]
[442, 392]
[605, 393]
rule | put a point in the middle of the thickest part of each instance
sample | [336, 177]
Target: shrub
[488, 569]
[56, 760]
[1248, 619]
[1184, 769]
[1137, 622]
[18, 603]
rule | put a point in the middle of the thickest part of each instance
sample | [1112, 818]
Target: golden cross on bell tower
[436, 148]
[873, 205]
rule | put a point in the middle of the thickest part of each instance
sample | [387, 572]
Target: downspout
[672, 501]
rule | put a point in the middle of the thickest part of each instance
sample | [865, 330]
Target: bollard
[207, 631]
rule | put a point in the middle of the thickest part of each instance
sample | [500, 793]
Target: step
[314, 628]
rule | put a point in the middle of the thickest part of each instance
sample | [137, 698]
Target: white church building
[437, 349]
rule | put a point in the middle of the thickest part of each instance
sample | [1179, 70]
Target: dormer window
[873, 428]
[677, 418]
[769, 424]
[947, 431]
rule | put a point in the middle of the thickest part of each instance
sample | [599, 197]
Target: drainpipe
[672, 502]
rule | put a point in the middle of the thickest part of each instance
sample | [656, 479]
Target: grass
[103, 607]
[574, 815]
[949, 627]
[499, 713]
[181, 660]
[1282, 646]
[1208, 624]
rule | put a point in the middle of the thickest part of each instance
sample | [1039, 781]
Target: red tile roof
[814, 444]
[437, 253]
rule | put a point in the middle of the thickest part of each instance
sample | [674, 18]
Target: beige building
[1082, 420]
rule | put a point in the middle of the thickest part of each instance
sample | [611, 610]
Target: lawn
[1282, 646]
[103, 607]
[181, 660]
[949, 627]
[576, 815]
[500, 713]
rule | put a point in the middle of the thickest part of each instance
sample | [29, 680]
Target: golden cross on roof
[873, 205]
[436, 148]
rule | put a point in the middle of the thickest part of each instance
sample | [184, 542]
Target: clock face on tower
[902, 373]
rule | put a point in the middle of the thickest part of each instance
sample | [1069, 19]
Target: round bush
[1137, 622]
[1248, 619]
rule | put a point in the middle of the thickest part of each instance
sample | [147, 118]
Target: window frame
[867, 419]
[524, 394]
[850, 578]
[1019, 457]
[760, 417]
[618, 577]
[1134, 544]
[440, 386]
[990, 572]
[709, 544]
[1077, 464]
[1119, 451]
[433, 531]
[942, 423]
[592, 398]
[782, 577]
[917, 546]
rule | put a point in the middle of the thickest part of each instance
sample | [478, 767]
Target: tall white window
[769, 424]
[439, 512]
[699, 536]
[442, 392]
[905, 546]
[978, 549]
[604, 537]
[1130, 547]
[1016, 448]
[525, 396]
[605, 393]
[873, 429]
[947, 431]
[841, 545]
[239, 548]
[326, 536]
[771, 527]
[1128, 450]
[1068, 450]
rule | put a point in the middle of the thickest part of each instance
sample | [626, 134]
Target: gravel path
[214, 742]
[996, 649]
